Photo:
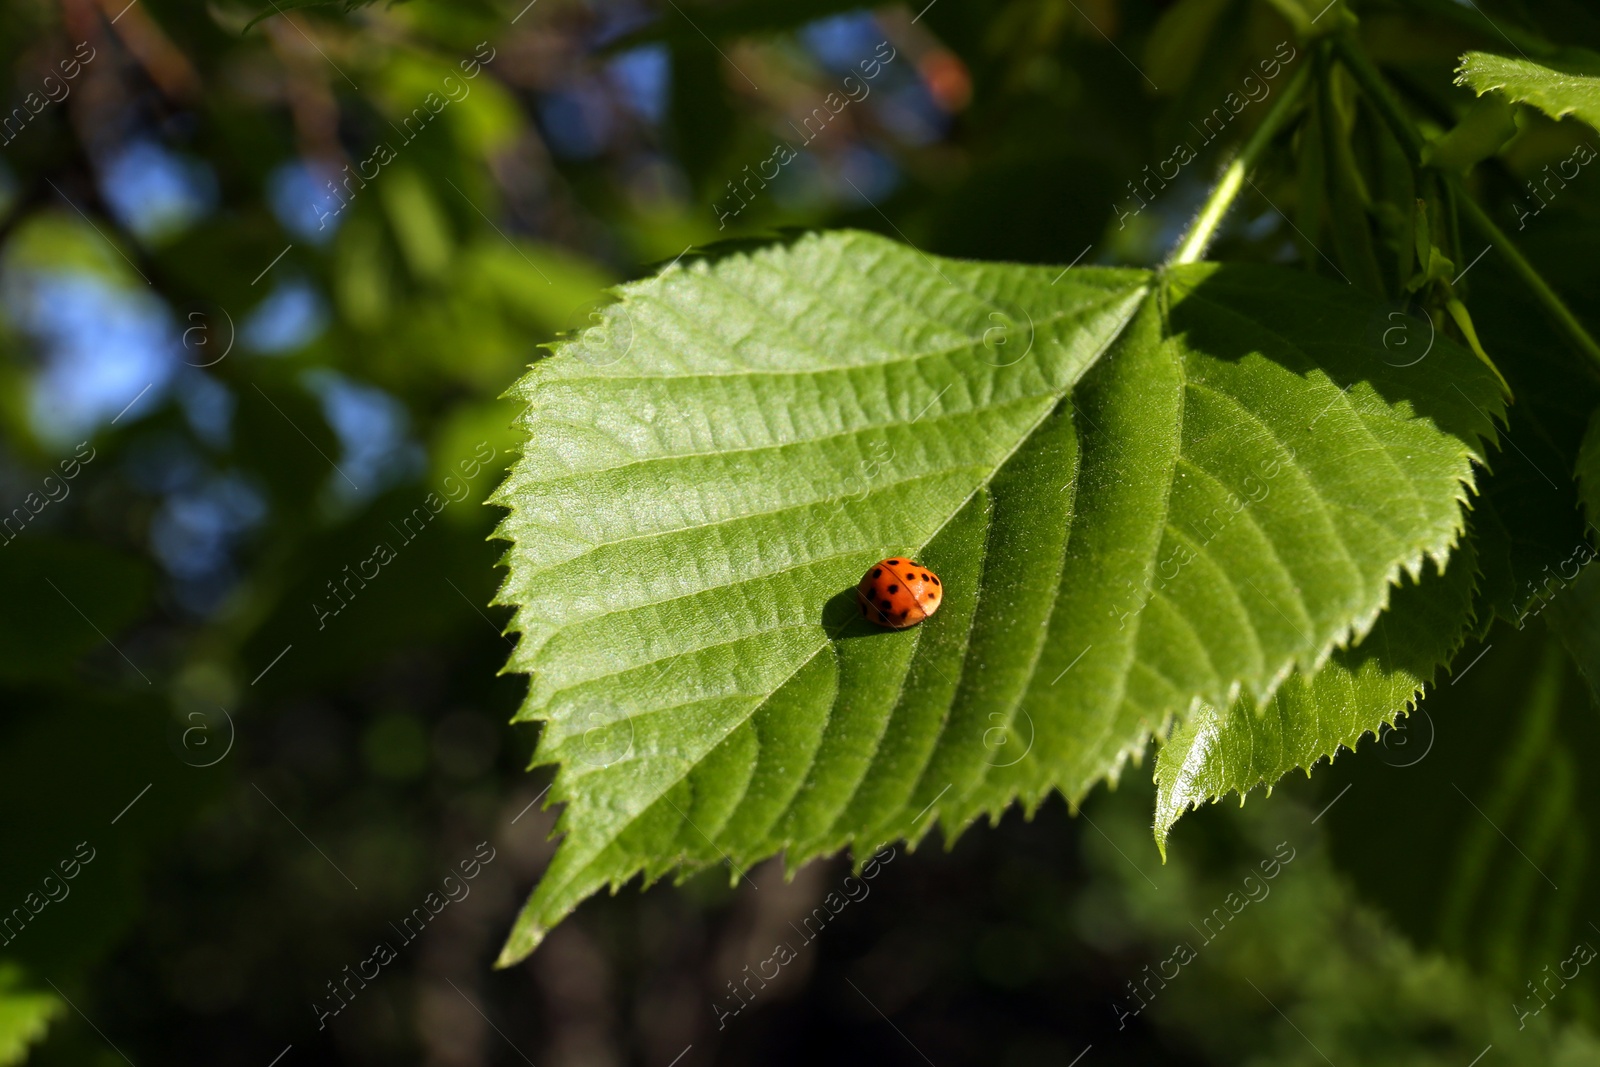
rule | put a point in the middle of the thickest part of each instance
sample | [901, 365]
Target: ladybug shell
[898, 593]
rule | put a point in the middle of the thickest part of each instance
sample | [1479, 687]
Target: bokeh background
[264, 275]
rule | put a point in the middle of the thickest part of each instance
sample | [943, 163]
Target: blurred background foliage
[243, 346]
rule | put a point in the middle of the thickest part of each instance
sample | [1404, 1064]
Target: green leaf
[710, 470]
[1483, 130]
[1588, 470]
[1568, 88]
[1299, 14]
[1213, 753]
[1527, 523]
[78, 593]
[1178, 41]
[1574, 603]
[25, 1015]
[1346, 195]
[343, 7]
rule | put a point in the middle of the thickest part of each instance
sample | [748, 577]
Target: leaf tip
[1163, 827]
[520, 945]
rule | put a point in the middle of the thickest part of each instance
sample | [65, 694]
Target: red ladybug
[898, 593]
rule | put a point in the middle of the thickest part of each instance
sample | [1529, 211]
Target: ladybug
[898, 593]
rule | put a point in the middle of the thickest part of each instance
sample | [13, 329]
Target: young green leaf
[1140, 490]
[25, 1014]
[1571, 89]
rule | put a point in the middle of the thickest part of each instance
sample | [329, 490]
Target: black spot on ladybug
[925, 577]
[877, 572]
[936, 581]
[887, 605]
[903, 613]
[894, 589]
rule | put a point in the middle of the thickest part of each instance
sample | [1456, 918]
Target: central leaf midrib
[1163, 298]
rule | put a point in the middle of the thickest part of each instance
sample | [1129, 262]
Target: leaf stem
[1377, 90]
[1366, 75]
[1193, 246]
[1530, 275]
